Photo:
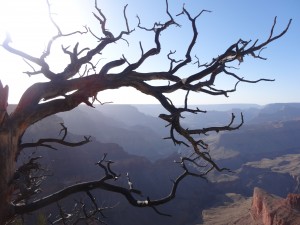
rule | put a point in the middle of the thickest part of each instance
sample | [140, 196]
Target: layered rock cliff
[272, 210]
[265, 209]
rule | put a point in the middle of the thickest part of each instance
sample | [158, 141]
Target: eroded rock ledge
[269, 209]
[262, 209]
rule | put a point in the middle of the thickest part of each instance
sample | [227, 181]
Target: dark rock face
[293, 200]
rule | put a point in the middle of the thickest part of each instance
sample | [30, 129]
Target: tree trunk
[8, 148]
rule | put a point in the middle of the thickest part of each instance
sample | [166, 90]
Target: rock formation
[266, 209]
[272, 210]
[293, 200]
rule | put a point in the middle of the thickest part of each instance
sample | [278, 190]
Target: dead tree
[40, 101]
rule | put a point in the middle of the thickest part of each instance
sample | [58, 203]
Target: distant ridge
[155, 110]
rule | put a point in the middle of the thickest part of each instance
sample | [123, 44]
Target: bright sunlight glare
[28, 25]
[28, 28]
[31, 29]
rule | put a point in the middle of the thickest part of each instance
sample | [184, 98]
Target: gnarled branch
[63, 92]
[45, 142]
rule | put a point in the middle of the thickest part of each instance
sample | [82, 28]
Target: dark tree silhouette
[75, 87]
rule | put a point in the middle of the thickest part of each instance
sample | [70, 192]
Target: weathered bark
[7, 161]
[10, 135]
[8, 148]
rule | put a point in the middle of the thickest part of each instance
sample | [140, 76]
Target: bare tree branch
[45, 142]
[103, 185]
[65, 91]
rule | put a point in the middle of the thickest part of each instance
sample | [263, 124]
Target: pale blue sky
[230, 20]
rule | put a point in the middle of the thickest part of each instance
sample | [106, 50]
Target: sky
[30, 28]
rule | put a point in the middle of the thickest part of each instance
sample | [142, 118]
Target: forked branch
[46, 142]
[104, 184]
[64, 92]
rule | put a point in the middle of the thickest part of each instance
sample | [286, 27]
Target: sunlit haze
[29, 27]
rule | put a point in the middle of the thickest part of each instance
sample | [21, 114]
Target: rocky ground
[236, 211]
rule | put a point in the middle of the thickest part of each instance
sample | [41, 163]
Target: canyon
[263, 156]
